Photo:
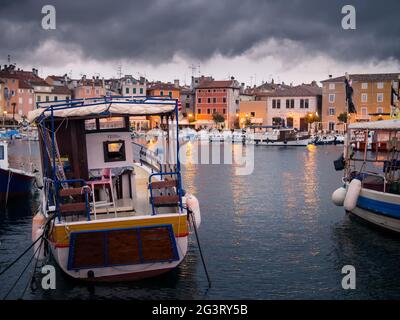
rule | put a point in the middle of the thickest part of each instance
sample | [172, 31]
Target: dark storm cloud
[153, 31]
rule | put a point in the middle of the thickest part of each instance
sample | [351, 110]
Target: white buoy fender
[353, 191]
[38, 224]
[193, 204]
[338, 196]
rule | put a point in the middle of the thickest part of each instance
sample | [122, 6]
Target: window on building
[331, 86]
[214, 111]
[224, 111]
[141, 91]
[161, 93]
[364, 111]
[20, 101]
[133, 90]
[199, 111]
[331, 98]
[170, 94]
[38, 98]
[331, 126]
[306, 103]
[209, 90]
[278, 103]
[379, 85]
[199, 100]
[380, 97]
[187, 105]
[273, 104]
[127, 90]
[208, 100]
[364, 97]
[331, 111]
[301, 103]
[252, 114]
[292, 104]
[55, 98]
[47, 98]
[214, 100]
[208, 111]
[364, 85]
[224, 100]
[379, 110]
[287, 103]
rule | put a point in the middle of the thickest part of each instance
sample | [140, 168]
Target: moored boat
[13, 182]
[371, 182]
[111, 209]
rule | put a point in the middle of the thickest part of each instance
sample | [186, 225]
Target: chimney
[232, 78]
[330, 76]
[176, 83]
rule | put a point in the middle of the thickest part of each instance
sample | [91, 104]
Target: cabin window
[90, 125]
[111, 123]
[1, 152]
[114, 151]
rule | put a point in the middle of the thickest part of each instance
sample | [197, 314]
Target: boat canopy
[393, 124]
[103, 106]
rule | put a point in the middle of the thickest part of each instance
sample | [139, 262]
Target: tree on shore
[343, 117]
[218, 118]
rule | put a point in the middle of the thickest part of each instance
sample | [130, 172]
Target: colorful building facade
[222, 97]
[372, 98]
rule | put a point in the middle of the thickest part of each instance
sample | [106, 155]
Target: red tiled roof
[371, 77]
[218, 84]
[61, 90]
[162, 86]
[297, 91]
[26, 78]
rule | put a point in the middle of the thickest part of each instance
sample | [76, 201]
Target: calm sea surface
[273, 234]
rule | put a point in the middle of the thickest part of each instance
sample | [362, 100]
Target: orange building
[217, 97]
[372, 98]
[160, 89]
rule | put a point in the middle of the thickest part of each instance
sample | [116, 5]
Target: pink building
[89, 88]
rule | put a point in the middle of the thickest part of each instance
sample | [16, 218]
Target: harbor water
[274, 234]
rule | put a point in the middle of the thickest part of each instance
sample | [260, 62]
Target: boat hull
[127, 259]
[291, 143]
[379, 208]
[14, 184]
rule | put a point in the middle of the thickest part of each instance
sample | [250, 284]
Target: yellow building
[252, 113]
[372, 98]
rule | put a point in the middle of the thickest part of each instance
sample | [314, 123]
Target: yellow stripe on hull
[60, 233]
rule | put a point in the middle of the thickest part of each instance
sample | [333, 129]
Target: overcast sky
[254, 40]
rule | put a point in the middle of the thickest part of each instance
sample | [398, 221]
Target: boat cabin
[92, 167]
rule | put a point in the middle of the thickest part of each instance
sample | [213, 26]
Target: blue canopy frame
[51, 107]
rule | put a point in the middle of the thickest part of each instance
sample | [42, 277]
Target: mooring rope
[198, 243]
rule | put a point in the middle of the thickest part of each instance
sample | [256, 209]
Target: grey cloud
[153, 31]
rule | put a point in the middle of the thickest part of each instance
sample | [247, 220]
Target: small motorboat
[13, 182]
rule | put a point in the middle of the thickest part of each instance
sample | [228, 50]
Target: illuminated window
[112, 123]
[114, 151]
